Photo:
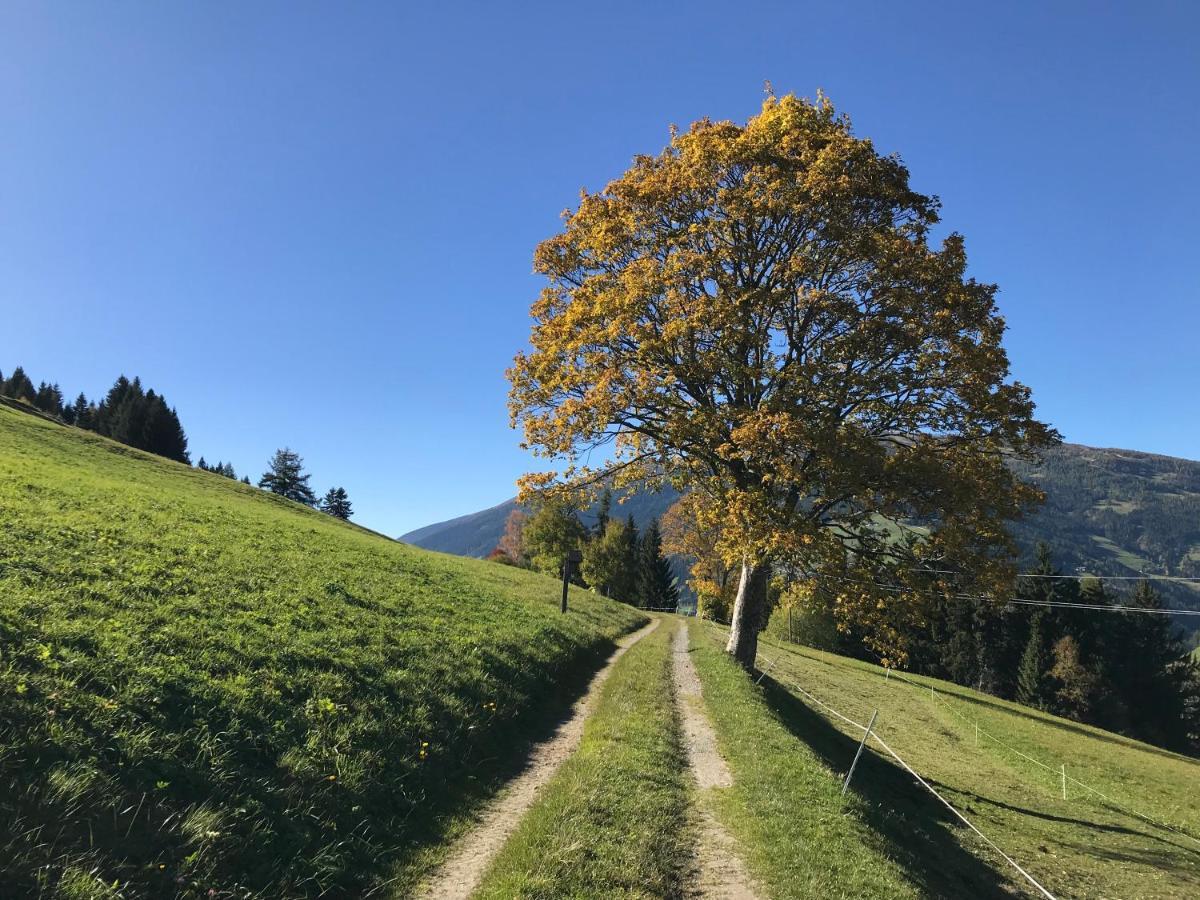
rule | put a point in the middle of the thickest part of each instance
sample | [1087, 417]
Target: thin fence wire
[983, 732]
[887, 748]
[1122, 807]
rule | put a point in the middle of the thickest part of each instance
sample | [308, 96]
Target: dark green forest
[128, 413]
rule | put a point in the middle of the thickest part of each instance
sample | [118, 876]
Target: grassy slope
[799, 836]
[613, 821]
[203, 687]
[1080, 847]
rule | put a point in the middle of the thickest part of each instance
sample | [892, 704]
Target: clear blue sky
[312, 225]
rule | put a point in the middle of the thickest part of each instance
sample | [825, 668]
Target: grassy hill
[1107, 512]
[208, 691]
[788, 754]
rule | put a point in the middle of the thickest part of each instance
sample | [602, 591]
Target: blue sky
[312, 224]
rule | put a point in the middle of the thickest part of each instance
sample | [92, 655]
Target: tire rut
[461, 874]
[719, 873]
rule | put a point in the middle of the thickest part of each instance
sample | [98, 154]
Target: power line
[1144, 577]
[1182, 578]
[1101, 607]
[1098, 606]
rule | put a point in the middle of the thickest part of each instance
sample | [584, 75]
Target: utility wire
[1165, 611]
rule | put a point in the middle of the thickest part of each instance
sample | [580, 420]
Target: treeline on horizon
[141, 418]
[618, 562]
[127, 413]
[1127, 672]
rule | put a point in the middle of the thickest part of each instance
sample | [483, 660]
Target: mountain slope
[206, 690]
[1107, 512]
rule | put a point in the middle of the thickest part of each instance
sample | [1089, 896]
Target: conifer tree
[48, 399]
[285, 476]
[1151, 673]
[603, 511]
[656, 584]
[19, 387]
[625, 587]
[1031, 675]
[81, 412]
[159, 431]
[336, 502]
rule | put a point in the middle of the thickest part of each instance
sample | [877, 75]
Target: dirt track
[719, 872]
[468, 862]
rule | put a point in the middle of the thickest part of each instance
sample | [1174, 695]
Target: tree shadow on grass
[911, 826]
[1083, 823]
[1093, 732]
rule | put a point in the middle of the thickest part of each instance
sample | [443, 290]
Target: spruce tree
[159, 430]
[1031, 675]
[48, 399]
[286, 476]
[656, 584]
[603, 510]
[1151, 673]
[19, 387]
[337, 503]
[625, 585]
[81, 412]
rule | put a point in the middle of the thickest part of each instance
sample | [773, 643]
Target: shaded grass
[209, 691]
[613, 820]
[1080, 847]
[800, 837]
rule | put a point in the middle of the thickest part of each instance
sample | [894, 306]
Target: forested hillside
[1107, 512]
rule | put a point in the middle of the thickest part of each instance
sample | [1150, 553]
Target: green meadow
[208, 691]
[891, 837]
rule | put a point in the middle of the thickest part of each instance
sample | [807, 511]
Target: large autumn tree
[758, 315]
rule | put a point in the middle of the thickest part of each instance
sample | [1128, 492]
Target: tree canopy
[285, 475]
[757, 314]
[336, 502]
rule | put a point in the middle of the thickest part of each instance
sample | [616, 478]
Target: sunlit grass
[205, 688]
[1078, 847]
[613, 821]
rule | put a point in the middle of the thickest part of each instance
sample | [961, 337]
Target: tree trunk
[749, 609]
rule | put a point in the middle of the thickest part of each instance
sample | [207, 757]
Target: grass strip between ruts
[614, 820]
[800, 837]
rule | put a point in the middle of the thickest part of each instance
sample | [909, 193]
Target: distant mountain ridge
[1107, 512]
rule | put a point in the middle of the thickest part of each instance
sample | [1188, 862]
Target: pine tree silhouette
[285, 476]
[656, 584]
[337, 503]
